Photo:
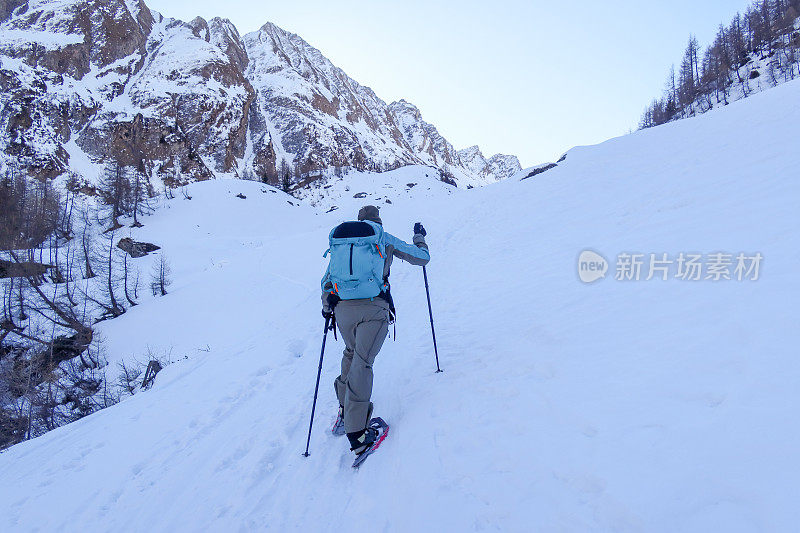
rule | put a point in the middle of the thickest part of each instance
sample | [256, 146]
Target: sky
[529, 78]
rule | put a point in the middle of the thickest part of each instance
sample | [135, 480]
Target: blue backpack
[357, 258]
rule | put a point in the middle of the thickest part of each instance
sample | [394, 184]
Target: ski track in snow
[642, 406]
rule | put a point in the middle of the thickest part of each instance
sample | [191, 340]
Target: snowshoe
[375, 433]
[338, 425]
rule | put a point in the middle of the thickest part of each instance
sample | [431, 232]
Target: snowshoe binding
[373, 437]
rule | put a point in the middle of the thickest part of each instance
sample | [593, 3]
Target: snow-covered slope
[618, 406]
[354, 189]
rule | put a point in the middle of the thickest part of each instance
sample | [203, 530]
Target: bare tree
[28, 211]
[285, 174]
[129, 377]
[134, 283]
[140, 196]
[55, 310]
[161, 277]
[107, 299]
[64, 229]
[50, 371]
[688, 75]
[88, 250]
[29, 380]
[69, 285]
[116, 191]
[767, 31]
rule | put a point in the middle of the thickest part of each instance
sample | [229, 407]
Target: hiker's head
[370, 212]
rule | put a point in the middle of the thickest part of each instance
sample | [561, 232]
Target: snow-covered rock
[503, 166]
[72, 36]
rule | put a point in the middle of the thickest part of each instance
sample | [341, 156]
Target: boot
[361, 441]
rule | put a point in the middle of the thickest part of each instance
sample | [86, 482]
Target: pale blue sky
[526, 78]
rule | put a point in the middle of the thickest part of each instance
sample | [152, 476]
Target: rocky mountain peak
[200, 28]
[470, 152]
[504, 166]
[498, 167]
[225, 36]
[402, 107]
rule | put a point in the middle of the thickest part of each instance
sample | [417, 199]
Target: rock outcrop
[136, 249]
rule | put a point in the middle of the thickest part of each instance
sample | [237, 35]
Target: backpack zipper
[351, 259]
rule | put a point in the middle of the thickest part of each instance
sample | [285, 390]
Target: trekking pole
[430, 312]
[316, 387]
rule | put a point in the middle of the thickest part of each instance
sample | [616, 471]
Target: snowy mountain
[186, 101]
[497, 165]
[622, 405]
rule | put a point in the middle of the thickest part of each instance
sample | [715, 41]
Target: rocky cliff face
[310, 114]
[86, 83]
[423, 138]
[110, 82]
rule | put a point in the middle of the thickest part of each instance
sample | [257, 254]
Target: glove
[419, 229]
[329, 302]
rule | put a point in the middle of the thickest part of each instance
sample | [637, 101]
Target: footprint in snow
[296, 347]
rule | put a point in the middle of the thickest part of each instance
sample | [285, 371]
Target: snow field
[617, 406]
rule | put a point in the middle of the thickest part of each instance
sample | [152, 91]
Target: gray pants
[363, 325]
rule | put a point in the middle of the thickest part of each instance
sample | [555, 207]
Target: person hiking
[356, 287]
